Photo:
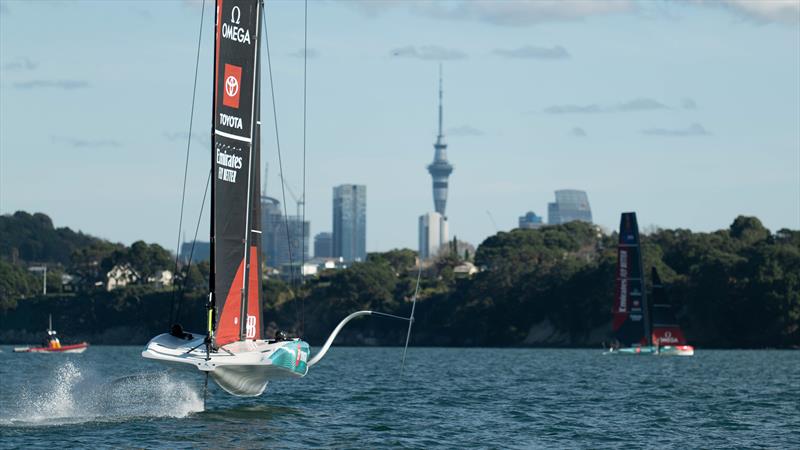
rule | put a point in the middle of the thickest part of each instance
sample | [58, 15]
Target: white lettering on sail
[230, 121]
[251, 327]
[667, 338]
[234, 33]
[232, 161]
[236, 14]
[623, 281]
[226, 175]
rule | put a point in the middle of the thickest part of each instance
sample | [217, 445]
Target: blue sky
[686, 112]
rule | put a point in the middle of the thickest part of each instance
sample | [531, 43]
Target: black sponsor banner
[236, 40]
[629, 322]
[235, 166]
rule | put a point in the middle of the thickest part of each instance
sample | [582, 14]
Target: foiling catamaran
[638, 328]
[234, 350]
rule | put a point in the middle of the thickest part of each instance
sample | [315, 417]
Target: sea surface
[446, 398]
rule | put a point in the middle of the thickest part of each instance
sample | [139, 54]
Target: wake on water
[71, 395]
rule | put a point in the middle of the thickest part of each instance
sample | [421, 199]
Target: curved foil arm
[336, 331]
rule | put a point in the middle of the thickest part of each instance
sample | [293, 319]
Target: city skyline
[684, 112]
[350, 222]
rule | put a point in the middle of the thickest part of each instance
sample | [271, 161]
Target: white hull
[240, 368]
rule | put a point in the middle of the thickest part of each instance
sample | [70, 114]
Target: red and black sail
[629, 322]
[666, 330]
[235, 224]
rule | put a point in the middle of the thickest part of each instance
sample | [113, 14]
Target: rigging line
[191, 251]
[277, 140]
[411, 319]
[188, 146]
[305, 115]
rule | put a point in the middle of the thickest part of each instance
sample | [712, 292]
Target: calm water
[447, 398]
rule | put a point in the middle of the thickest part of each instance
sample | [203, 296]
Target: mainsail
[235, 225]
[630, 325]
[666, 330]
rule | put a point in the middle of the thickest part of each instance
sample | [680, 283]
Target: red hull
[63, 349]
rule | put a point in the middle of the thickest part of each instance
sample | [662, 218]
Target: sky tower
[440, 169]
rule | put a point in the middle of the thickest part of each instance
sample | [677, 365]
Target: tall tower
[440, 169]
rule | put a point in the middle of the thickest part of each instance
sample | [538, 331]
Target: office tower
[440, 169]
[433, 233]
[280, 246]
[530, 221]
[350, 222]
[323, 245]
[570, 205]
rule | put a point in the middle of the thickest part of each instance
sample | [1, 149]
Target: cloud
[578, 132]
[85, 143]
[637, 104]
[428, 53]
[181, 136]
[523, 13]
[58, 84]
[573, 109]
[533, 52]
[20, 63]
[517, 13]
[464, 130]
[688, 103]
[312, 53]
[694, 129]
[765, 11]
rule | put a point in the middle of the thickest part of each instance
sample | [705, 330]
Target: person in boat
[177, 331]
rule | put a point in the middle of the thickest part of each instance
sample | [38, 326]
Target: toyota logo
[231, 86]
[668, 334]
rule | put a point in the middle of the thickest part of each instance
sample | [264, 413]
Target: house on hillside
[465, 270]
[161, 279]
[120, 275]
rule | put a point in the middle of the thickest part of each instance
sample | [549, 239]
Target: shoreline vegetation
[549, 287]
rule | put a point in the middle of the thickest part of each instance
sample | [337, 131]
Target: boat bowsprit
[242, 368]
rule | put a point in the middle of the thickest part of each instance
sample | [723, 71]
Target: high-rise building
[433, 232]
[271, 219]
[570, 205]
[279, 246]
[440, 169]
[323, 245]
[530, 221]
[350, 222]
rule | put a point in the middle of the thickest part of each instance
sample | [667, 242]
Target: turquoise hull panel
[665, 350]
[292, 356]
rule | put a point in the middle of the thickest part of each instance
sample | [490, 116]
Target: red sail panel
[228, 323]
[668, 336]
[253, 324]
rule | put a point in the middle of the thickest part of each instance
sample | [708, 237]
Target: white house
[162, 278]
[119, 276]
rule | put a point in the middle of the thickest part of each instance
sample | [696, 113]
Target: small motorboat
[52, 344]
